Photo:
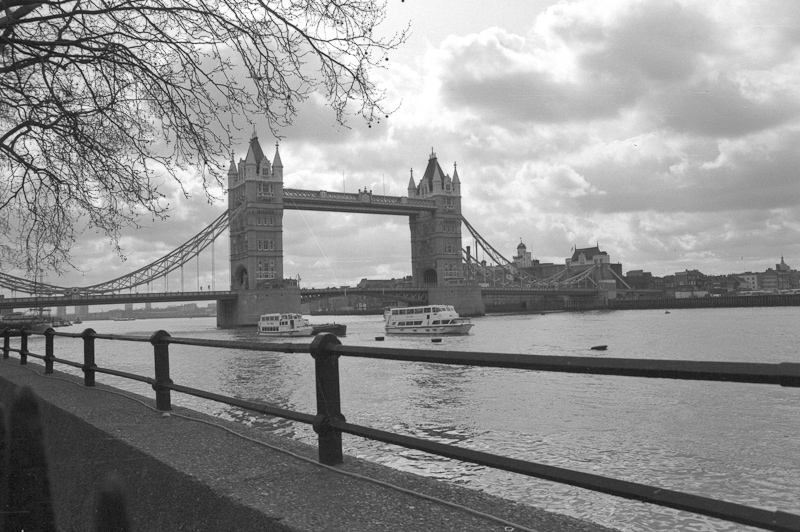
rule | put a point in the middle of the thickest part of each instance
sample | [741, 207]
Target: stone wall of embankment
[190, 472]
[81, 454]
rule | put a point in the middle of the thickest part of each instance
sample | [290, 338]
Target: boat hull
[305, 331]
[462, 328]
[338, 329]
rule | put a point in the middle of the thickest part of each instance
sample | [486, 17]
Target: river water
[736, 442]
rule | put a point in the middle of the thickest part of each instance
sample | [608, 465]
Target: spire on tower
[412, 188]
[277, 161]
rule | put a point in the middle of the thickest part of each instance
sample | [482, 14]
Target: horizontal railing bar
[125, 374]
[250, 405]
[60, 333]
[120, 337]
[746, 515]
[286, 347]
[785, 373]
[98, 369]
[69, 362]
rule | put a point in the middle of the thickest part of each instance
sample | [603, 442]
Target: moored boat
[35, 318]
[338, 329]
[287, 324]
[430, 319]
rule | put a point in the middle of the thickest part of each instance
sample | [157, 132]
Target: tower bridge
[443, 271]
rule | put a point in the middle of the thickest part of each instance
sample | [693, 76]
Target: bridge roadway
[409, 295]
[420, 295]
[114, 299]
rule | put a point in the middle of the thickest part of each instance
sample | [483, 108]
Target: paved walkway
[184, 474]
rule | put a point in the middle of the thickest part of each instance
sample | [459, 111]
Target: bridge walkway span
[114, 299]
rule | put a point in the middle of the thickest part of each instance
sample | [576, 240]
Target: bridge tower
[436, 236]
[256, 241]
[256, 233]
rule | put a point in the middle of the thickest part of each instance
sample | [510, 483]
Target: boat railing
[329, 422]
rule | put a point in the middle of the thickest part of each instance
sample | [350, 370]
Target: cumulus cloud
[664, 131]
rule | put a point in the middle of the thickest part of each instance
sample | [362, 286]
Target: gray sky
[667, 132]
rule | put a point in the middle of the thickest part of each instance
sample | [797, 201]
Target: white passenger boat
[431, 319]
[289, 324]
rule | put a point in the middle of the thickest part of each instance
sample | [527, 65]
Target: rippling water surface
[736, 442]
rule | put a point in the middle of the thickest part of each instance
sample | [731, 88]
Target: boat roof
[421, 306]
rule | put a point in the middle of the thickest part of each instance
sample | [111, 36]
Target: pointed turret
[255, 148]
[254, 156]
[232, 170]
[438, 176]
[264, 168]
[456, 181]
[412, 188]
[432, 180]
[277, 164]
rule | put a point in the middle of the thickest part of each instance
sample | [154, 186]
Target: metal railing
[329, 423]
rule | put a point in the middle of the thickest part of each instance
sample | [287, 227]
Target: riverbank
[189, 471]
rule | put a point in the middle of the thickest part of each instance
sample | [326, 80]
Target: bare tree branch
[99, 98]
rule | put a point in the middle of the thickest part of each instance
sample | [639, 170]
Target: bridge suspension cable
[511, 274]
[505, 273]
[158, 268]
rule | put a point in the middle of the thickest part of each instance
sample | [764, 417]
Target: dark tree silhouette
[101, 98]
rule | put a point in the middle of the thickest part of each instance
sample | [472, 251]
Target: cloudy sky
[665, 131]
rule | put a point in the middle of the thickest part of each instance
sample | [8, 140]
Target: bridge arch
[430, 278]
[240, 278]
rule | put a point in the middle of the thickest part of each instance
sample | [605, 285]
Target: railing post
[23, 347]
[49, 334]
[6, 343]
[88, 357]
[326, 370]
[161, 359]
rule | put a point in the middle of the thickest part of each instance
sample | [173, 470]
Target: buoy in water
[599, 347]
[436, 340]
[379, 338]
